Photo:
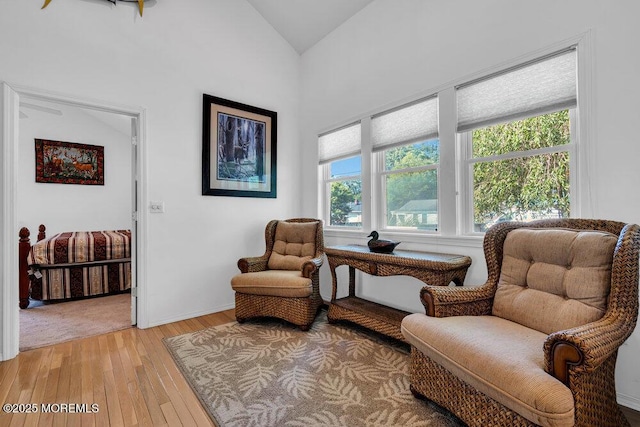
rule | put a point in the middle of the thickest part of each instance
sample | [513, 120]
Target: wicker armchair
[283, 282]
[537, 343]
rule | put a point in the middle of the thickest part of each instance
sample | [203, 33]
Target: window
[340, 161]
[518, 141]
[501, 147]
[521, 170]
[406, 143]
[410, 180]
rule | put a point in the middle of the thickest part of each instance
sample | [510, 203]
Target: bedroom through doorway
[76, 176]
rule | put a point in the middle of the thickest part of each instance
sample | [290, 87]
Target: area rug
[270, 373]
[53, 323]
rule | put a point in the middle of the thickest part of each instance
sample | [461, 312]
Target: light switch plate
[156, 207]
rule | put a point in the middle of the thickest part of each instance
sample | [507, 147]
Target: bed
[74, 265]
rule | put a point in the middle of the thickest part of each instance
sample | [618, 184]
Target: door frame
[10, 97]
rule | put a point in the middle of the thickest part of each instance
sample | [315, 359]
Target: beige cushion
[501, 359]
[554, 279]
[279, 283]
[294, 244]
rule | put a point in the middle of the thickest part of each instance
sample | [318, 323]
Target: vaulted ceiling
[305, 22]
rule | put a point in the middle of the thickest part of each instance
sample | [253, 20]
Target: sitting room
[346, 212]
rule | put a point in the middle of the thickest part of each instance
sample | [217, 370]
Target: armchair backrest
[554, 279]
[558, 274]
[295, 241]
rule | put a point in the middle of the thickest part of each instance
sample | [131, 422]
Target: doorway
[12, 98]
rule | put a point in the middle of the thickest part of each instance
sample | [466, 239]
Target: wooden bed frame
[24, 279]
[24, 246]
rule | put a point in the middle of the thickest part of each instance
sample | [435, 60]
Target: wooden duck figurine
[381, 246]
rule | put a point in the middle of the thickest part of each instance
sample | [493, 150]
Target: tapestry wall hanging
[238, 149]
[69, 163]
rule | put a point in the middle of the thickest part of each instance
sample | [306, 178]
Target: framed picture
[69, 163]
[238, 149]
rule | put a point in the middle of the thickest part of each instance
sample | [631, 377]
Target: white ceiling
[303, 23]
[33, 109]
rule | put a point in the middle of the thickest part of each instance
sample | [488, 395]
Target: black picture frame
[239, 149]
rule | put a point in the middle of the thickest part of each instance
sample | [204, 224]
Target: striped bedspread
[80, 264]
[81, 246]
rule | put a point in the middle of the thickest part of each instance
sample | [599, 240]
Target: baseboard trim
[628, 401]
[160, 322]
[190, 315]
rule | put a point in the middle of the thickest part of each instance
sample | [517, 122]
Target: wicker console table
[430, 267]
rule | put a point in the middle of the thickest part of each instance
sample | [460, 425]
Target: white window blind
[411, 123]
[537, 88]
[338, 144]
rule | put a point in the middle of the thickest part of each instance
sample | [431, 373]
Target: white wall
[164, 62]
[392, 50]
[395, 50]
[73, 207]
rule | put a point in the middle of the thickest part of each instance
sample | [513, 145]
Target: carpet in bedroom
[53, 323]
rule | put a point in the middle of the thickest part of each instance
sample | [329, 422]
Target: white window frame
[455, 188]
[467, 161]
[381, 173]
[326, 181]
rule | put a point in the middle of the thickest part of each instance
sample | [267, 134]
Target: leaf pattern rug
[269, 373]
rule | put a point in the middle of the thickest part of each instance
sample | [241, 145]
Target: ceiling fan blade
[46, 3]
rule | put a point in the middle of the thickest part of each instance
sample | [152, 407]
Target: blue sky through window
[346, 167]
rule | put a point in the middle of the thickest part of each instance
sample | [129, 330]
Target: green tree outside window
[527, 187]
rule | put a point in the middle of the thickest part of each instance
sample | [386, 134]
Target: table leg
[334, 281]
[352, 281]
[458, 278]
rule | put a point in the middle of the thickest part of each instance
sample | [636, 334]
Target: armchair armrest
[584, 348]
[311, 266]
[253, 264]
[443, 301]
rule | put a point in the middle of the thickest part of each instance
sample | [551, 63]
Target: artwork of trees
[241, 149]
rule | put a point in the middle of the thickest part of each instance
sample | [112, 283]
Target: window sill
[360, 237]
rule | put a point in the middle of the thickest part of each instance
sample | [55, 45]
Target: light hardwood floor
[129, 374]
